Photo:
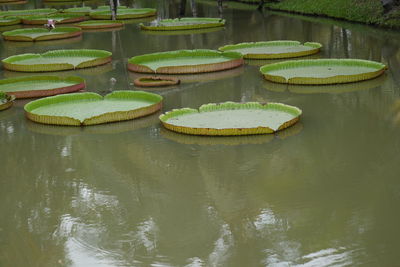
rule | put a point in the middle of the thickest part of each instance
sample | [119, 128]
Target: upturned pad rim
[136, 63]
[40, 19]
[100, 57]
[229, 106]
[10, 21]
[155, 81]
[293, 64]
[59, 33]
[9, 101]
[78, 84]
[124, 13]
[27, 12]
[314, 48]
[213, 22]
[98, 119]
[99, 24]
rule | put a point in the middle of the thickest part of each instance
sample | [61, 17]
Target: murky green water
[322, 193]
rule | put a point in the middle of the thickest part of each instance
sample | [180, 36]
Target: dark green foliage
[366, 11]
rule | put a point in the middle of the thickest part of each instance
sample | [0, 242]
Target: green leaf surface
[271, 47]
[31, 83]
[37, 32]
[82, 106]
[183, 58]
[232, 115]
[321, 68]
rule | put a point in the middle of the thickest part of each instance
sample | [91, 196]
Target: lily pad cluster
[214, 119]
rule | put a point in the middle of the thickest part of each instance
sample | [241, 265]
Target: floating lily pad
[124, 13]
[57, 60]
[28, 12]
[273, 49]
[195, 78]
[41, 34]
[154, 81]
[39, 86]
[231, 118]
[185, 61]
[58, 18]
[183, 24]
[78, 10]
[185, 32]
[14, 2]
[6, 100]
[90, 108]
[102, 8]
[322, 71]
[100, 24]
[9, 21]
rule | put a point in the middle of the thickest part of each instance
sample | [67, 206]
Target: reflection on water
[134, 194]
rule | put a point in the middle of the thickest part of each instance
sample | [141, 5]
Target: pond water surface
[324, 192]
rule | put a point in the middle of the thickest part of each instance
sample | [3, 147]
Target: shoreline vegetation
[372, 12]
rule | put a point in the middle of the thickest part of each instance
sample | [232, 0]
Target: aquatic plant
[322, 71]
[40, 34]
[57, 60]
[124, 13]
[39, 86]
[273, 49]
[6, 100]
[185, 61]
[183, 24]
[90, 108]
[154, 81]
[231, 118]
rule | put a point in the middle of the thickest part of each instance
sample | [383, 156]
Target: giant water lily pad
[100, 24]
[154, 81]
[58, 18]
[6, 100]
[40, 34]
[322, 71]
[9, 21]
[39, 86]
[57, 60]
[27, 12]
[78, 10]
[185, 61]
[231, 118]
[14, 2]
[273, 49]
[124, 13]
[183, 24]
[90, 108]
[105, 7]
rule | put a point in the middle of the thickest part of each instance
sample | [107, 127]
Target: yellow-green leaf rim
[100, 24]
[79, 109]
[41, 85]
[57, 60]
[273, 49]
[124, 13]
[322, 71]
[183, 24]
[232, 112]
[185, 61]
[41, 34]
